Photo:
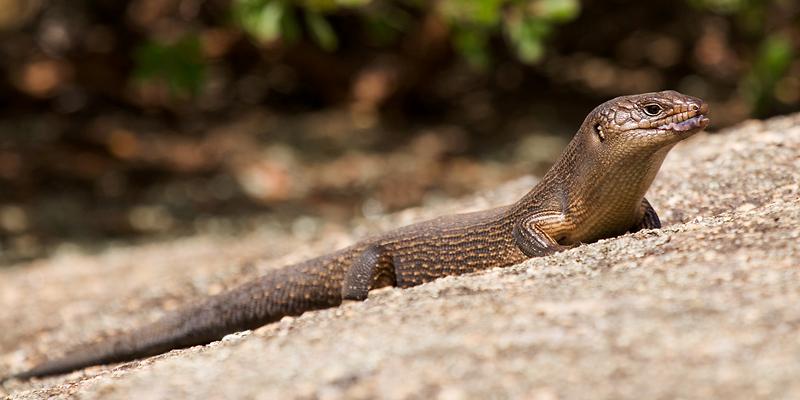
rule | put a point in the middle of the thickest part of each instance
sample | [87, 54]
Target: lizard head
[649, 120]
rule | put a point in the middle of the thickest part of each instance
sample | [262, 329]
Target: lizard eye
[652, 109]
[598, 129]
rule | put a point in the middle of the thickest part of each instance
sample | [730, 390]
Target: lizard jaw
[697, 122]
[690, 122]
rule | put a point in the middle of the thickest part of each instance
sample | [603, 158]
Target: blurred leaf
[558, 10]
[322, 6]
[380, 32]
[472, 45]
[353, 3]
[471, 22]
[321, 31]
[774, 57]
[180, 65]
[260, 18]
[386, 23]
[720, 6]
[319, 5]
[526, 22]
[290, 27]
[530, 51]
[527, 36]
[748, 14]
[773, 60]
[487, 12]
[480, 12]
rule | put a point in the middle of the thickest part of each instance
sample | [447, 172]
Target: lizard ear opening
[598, 129]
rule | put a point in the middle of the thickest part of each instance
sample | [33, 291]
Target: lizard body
[595, 190]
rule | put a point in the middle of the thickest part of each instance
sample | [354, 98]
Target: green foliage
[525, 23]
[265, 20]
[180, 65]
[321, 31]
[773, 57]
[474, 25]
[558, 10]
[721, 6]
[771, 64]
[384, 28]
[472, 45]
[748, 14]
[331, 5]
[271, 20]
[527, 35]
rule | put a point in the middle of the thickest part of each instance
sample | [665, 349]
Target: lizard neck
[599, 192]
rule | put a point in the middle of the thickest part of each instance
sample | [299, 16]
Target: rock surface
[709, 306]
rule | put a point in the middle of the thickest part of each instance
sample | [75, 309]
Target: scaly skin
[595, 190]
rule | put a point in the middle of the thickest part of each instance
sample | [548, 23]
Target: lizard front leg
[531, 233]
[372, 269]
[649, 218]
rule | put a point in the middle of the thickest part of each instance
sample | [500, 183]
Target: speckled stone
[705, 308]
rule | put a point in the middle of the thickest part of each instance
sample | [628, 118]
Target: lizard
[594, 190]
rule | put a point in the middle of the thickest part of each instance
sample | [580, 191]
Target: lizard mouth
[696, 122]
[691, 121]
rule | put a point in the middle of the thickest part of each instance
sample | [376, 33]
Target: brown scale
[595, 190]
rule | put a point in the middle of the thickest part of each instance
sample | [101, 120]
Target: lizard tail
[249, 306]
[179, 330]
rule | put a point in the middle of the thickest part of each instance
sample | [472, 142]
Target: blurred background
[147, 119]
